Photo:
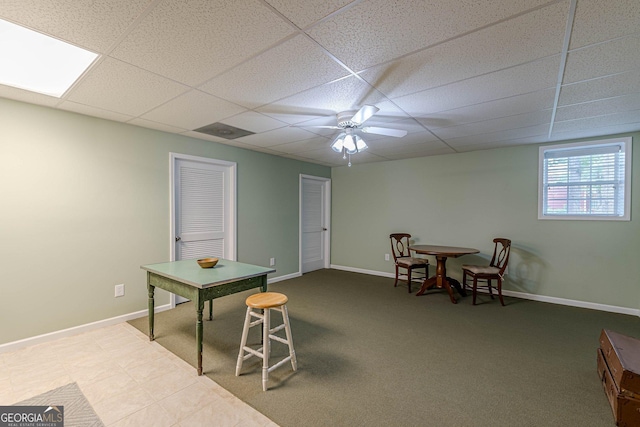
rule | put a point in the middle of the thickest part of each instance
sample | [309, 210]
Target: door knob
[178, 238]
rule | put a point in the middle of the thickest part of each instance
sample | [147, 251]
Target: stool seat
[259, 306]
[266, 300]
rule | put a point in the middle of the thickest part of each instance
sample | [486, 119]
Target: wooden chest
[618, 364]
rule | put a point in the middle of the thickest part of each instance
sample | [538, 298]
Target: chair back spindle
[501, 252]
[400, 245]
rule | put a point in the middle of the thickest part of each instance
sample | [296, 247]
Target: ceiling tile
[412, 126]
[253, 122]
[276, 137]
[518, 80]
[329, 99]
[498, 144]
[401, 146]
[155, 125]
[522, 39]
[603, 59]
[358, 158]
[541, 131]
[480, 74]
[231, 142]
[294, 66]
[193, 110]
[597, 21]
[287, 115]
[419, 152]
[605, 87]
[11, 92]
[324, 155]
[597, 122]
[93, 111]
[504, 107]
[93, 25]
[305, 12]
[599, 107]
[117, 86]
[303, 146]
[495, 125]
[381, 30]
[595, 132]
[384, 146]
[202, 37]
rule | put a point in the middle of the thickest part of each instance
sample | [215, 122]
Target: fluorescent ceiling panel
[39, 63]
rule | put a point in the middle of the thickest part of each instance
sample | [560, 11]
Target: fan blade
[397, 133]
[363, 114]
[317, 127]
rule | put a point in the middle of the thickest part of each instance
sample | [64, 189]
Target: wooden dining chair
[405, 263]
[487, 273]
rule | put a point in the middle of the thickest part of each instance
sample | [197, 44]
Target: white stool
[266, 301]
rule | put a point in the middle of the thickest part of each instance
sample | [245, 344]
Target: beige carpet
[77, 410]
[371, 354]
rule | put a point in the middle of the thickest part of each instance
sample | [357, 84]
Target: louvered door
[204, 203]
[200, 210]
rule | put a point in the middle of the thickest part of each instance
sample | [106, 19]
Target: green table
[187, 279]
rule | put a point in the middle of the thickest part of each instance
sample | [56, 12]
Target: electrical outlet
[272, 262]
[386, 257]
[120, 290]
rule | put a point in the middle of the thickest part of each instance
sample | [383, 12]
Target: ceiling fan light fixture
[338, 144]
[350, 144]
[360, 144]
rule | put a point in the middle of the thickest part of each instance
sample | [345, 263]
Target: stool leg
[266, 347]
[243, 343]
[287, 329]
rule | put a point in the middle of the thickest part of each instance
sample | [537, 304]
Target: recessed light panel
[39, 63]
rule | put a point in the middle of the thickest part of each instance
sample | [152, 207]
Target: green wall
[85, 202]
[467, 200]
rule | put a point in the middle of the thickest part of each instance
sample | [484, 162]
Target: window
[587, 180]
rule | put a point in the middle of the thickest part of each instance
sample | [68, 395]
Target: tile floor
[128, 380]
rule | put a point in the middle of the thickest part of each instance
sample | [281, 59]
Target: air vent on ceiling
[223, 131]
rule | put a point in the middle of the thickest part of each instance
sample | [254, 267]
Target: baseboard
[285, 277]
[16, 345]
[363, 271]
[522, 295]
[573, 303]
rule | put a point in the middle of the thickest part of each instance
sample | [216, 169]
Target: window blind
[587, 180]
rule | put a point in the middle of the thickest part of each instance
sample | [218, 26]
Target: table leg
[150, 289]
[440, 280]
[210, 309]
[456, 284]
[447, 286]
[427, 284]
[443, 280]
[199, 309]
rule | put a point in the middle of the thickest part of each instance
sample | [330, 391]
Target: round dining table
[440, 280]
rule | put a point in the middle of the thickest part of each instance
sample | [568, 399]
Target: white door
[315, 196]
[203, 200]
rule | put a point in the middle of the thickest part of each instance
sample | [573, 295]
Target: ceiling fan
[349, 140]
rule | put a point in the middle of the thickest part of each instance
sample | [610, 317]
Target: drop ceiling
[459, 76]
